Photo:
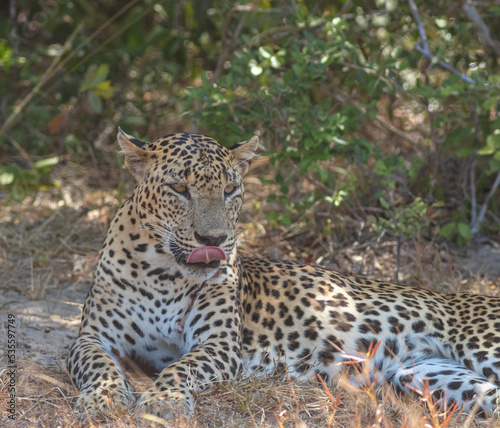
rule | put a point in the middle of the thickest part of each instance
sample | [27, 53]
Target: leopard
[171, 291]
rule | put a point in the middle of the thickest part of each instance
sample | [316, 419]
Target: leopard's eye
[181, 189]
[229, 189]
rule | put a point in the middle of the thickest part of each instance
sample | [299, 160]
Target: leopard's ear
[136, 158]
[243, 153]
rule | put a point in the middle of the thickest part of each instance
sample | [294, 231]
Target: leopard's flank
[170, 291]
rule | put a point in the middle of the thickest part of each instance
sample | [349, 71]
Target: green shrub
[326, 84]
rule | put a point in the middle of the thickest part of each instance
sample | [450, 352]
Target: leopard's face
[189, 195]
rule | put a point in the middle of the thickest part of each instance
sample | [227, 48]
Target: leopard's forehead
[193, 156]
[193, 146]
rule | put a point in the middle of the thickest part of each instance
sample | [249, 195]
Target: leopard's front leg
[212, 336]
[103, 388]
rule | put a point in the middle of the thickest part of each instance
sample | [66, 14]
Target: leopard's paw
[99, 401]
[164, 405]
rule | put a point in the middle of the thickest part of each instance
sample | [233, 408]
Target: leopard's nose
[212, 240]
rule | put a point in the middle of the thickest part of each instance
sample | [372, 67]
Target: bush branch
[471, 13]
[423, 47]
[58, 63]
[473, 193]
[484, 207]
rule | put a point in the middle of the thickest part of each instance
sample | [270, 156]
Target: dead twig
[58, 63]
[423, 47]
[247, 8]
[49, 73]
[484, 207]
[228, 43]
[473, 204]
[111, 37]
[471, 13]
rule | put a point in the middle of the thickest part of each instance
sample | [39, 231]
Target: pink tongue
[206, 255]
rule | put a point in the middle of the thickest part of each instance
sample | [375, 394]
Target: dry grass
[46, 399]
[48, 250]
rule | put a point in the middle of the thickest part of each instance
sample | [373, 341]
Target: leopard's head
[189, 194]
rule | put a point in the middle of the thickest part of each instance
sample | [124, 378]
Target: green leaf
[255, 69]
[340, 141]
[46, 162]
[494, 78]
[456, 138]
[447, 230]
[490, 103]
[135, 121]
[297, 70]
[441, 22]
[297, 56]
[285, 220]
[384, 203]
[204, 79]
[304, 165]
[94, 76]
[323, 174]
[6, 178]
[18, 193]
[466, 151]
[104, 89]
[415, 168]
[494, 165]
[464, 230]
[95, 102]
[287, 77]
[275, 62]
[265, 52]
[492, 145]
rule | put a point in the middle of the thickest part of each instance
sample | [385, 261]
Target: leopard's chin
[215, 264]
[202, 272]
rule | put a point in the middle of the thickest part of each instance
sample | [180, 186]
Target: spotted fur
[197, 324]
